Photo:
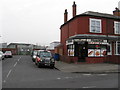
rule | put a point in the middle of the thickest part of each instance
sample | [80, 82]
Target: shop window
[70, 49]
[70, 46]
[97, 50]
[95, 26]
[117, 27]
[117, 48]
[109, 49]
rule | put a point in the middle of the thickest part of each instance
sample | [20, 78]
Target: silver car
[8, 54]
[1, 55]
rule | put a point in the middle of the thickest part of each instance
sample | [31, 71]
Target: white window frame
[116, 22]
[116, 48]
[91, 19]
[110, 53]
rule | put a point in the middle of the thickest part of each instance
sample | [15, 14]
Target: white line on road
[15, 64]
[58, 78]
[102, 74]
[87, 74]
[68, 77]
[89, 87]
[19, 59]
[9, 73]
[4, 81]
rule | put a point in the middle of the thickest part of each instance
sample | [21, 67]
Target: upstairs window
[117, 27]
[95, 26]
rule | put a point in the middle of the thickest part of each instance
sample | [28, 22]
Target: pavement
[87, 68]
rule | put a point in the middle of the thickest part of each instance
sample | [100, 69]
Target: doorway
[81, 51]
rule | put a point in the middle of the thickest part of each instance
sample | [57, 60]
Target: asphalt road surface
[21, 72]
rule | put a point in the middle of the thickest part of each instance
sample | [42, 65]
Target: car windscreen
[35, 53]
[8, 52]
[45, 54]
[1, 53]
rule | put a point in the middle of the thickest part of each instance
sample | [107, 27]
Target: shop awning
[91, 36]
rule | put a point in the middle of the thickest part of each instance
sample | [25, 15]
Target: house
[52, 46]
[20, 48]
[90, 37]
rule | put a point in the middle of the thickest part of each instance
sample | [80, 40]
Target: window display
[97, 50]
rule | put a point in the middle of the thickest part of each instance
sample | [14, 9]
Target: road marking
[58, 78]
[89, 87]
[87, 74]
[15, 64]
[4, 81]
[68, 77]
[11, 70]
[102, 74]
[9, 73]
[19, 59]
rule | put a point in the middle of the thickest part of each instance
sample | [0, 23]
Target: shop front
[91, 48]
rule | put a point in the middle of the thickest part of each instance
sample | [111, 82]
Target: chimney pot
[116, 12]
[74, 9]
[65, 16]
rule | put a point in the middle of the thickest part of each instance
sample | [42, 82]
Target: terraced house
[90, 37]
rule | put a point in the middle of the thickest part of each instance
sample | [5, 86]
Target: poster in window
[103, 52]
[90, 52]
[70, 52]
[97, 52]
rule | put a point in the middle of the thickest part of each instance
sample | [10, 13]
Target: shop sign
[97, 41]
[69, 42]
[81, 42]
[93, 42]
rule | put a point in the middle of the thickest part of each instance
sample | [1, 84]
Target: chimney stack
[74, 9]
[65, 16]
[116, 12]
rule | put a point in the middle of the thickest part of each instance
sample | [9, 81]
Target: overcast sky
[38, 21]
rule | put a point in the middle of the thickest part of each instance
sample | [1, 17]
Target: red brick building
[91, 37]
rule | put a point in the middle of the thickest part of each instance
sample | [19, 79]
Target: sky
[38, 21]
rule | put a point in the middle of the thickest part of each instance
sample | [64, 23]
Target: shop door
[82, 52]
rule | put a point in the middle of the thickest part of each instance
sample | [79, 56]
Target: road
[21, 72]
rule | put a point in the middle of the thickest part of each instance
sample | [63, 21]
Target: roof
[96, 14]
[101, 15]
[18, 44]
[60, 45]
[92, 36]
[55, 42]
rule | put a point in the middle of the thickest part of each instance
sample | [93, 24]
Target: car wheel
[35, 62]
[52, 66]
[38, 65]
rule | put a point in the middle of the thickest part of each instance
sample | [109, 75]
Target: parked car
[44, 58]
[8, 54]
[34, 54]
[1, 55]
